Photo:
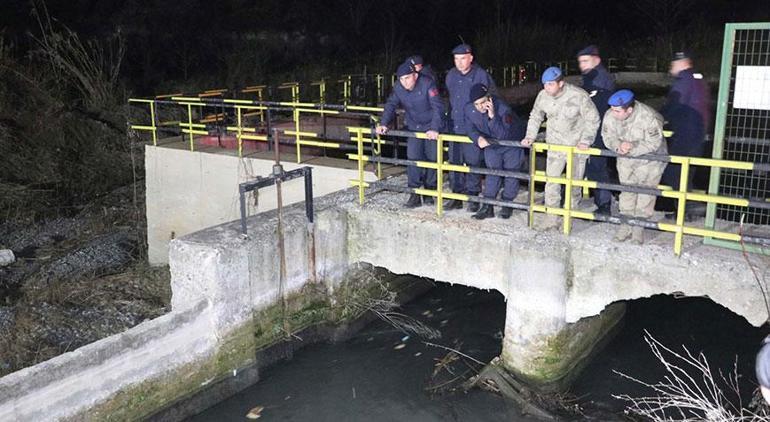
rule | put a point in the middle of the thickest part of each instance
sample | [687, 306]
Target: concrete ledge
[63, 386]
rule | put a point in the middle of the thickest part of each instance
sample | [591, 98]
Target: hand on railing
[432, 135]
[527, 142]
[381, 130]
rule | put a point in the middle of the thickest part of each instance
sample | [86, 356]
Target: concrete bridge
[563, 293]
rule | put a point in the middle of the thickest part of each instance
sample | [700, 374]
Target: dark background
[196, 43]
[67, 68]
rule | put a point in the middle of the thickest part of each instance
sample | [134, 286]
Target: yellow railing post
[261, 111]
[190, 125]
[296, 133]
[360, 144]
[239, 132]
[681, 206]
[377, 148]
[568, 191]
[439, 175]
[532, 165]
[154, 128]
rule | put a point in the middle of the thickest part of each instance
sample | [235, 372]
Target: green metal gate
[742, 125]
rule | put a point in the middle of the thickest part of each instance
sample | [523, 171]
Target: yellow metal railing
[680, 193]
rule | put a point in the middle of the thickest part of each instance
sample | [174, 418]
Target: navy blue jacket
[506, 125]
[686, 110]
[600, 81]
[600, 85]
[459, 88]
[423, 105]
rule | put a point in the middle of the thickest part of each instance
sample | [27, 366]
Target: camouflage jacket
[643, 128]
[572, 117]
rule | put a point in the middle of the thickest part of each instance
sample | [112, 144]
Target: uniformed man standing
[572, 120]
[459, 81]
[488, 119]
[631, 129]
[424, 109]
[600, 85]
[687, 112]
[423, 69]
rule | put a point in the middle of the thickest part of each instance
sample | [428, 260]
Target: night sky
[189, 42]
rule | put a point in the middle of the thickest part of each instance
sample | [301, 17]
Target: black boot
[453, 204]
[505, 213]
[414, 201]
[486, 211]
[473, 206]
[428, 200]
[604, 209]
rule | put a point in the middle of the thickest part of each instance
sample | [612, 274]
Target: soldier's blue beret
[478, 91]
[621, 98]
[462, 49]
[404, 69]
[553, 73]
[591, 50]
[414, 60]
[681, 55]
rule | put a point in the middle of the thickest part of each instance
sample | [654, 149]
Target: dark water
[367, 378]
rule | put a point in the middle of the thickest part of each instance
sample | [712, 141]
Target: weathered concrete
[554, 284]
[228, 300]
[188, 191]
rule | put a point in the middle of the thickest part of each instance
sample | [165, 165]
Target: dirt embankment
[76, 279]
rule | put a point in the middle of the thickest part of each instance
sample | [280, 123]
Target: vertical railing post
[568, 191]
[681, 205]
[153, 120]
[239, 133]
[190, 125]
[439, 175]
[360, 145]
[532, 165]
[296, 133]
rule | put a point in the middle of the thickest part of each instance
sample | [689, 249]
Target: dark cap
[478, 91]
[591, 50]
[621, 98]
[404, 69]
[681, 55]
[415, 60]
[462, 49]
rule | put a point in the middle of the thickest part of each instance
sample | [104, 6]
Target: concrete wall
[189, 191]
[557, 288]
[220, 281]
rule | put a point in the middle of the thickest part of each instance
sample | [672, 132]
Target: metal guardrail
[679, 193]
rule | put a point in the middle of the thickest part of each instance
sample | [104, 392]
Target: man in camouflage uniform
[631, 129]
[572, 120]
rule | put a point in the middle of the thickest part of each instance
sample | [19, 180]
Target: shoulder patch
[433, 92]
[508, 119]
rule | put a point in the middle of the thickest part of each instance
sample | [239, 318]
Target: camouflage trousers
[638, 173]
[555, 165]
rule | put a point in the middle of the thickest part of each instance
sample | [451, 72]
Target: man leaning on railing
[631, 129]
[573, 121]
[419, 97]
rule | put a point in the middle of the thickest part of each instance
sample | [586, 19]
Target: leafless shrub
[690, 391]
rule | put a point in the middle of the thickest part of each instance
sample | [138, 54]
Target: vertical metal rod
[281, 248]
[532, 168]
[240, 131]
[568, 190]
[154, 128]
[360, 143]
[310, 223]
[681, 206]
[242, 197]
[268, 128]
